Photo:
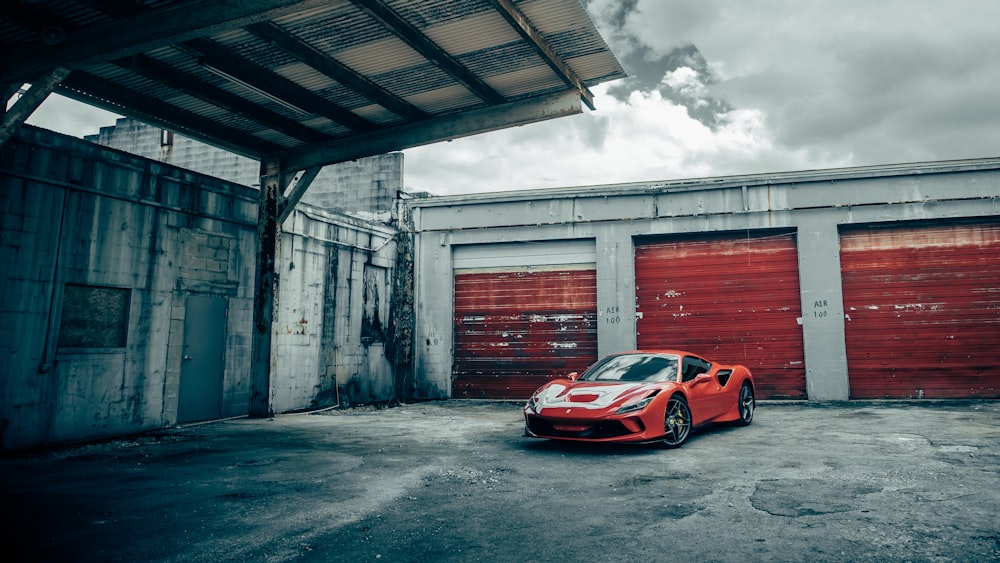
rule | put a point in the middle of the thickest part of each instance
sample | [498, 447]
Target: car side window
[693, 367]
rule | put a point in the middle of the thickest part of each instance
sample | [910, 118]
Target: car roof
[657, 351]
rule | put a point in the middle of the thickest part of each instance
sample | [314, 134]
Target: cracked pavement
[456, 481]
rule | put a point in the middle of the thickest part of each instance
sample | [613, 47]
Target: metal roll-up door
[731, 298]
[524, 313]
[922, 310]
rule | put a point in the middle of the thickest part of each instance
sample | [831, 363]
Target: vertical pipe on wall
[55, 293]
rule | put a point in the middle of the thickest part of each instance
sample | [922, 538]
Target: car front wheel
[676, 423]
[747, 404]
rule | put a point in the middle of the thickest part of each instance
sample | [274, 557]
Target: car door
[703, 389]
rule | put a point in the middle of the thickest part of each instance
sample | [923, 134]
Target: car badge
[568, 411]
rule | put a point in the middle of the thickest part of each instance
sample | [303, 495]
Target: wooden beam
[288, 202]
[148, 30]
[182, 82]
[29, 102]
[523, 26]
[97, 92]
[7, 92]
[334, 69]
[429, 50]
[221, 60]
[467, 123]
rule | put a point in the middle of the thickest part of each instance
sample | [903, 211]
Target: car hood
[591, 395]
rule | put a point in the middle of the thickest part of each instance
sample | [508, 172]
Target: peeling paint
[929, 332]
[514, 330]
[741, 295]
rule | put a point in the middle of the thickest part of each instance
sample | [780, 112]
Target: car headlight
[636, 406]
[533, 404]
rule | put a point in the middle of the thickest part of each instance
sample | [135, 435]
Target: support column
[272, 210]
[265, 297]
[616, 316]
[822, 310]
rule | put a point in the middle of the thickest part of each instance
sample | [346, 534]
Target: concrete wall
[365, 188]
[332, 322]
[73, 213]
[814, 204]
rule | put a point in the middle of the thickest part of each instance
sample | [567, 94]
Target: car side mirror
[573, 376]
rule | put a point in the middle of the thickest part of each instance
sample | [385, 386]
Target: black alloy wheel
[747, 404]
[676, 423]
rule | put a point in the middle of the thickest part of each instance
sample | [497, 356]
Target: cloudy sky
[718, 88]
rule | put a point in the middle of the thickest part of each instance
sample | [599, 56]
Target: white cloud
[644, 138]
[686, 81]
[71, 117]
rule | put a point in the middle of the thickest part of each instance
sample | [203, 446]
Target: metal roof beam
[94, 91]
[523, 26]
[119, 8]
[145, 31]
[47, 27]
[223, 61]
[334, 69]
[453, 126]
[168, 75]
[429, 50]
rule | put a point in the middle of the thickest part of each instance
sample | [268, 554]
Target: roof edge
[706, 183]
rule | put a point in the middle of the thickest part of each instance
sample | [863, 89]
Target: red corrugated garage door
[516, 326]
[922, 311]
[731, 299]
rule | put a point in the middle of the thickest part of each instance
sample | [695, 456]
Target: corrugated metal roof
[265, 76]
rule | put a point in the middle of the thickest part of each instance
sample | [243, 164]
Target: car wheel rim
[746, 403]
[677, 422]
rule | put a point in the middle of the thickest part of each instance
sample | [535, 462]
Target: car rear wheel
[747, 404]
[676, 423]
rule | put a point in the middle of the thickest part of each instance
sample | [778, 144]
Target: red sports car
[644, 397]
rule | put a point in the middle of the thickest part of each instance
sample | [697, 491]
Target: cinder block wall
[76, 214]
[364, 188]
[333, 312]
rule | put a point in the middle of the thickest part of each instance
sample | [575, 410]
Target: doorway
[203, 361]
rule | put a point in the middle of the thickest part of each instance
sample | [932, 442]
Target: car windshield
[634, 367]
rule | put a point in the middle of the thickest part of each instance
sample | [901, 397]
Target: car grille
[606, 429]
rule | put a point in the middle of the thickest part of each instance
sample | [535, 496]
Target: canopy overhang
[287, 78]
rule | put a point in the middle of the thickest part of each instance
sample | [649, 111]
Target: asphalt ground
[457, 481]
